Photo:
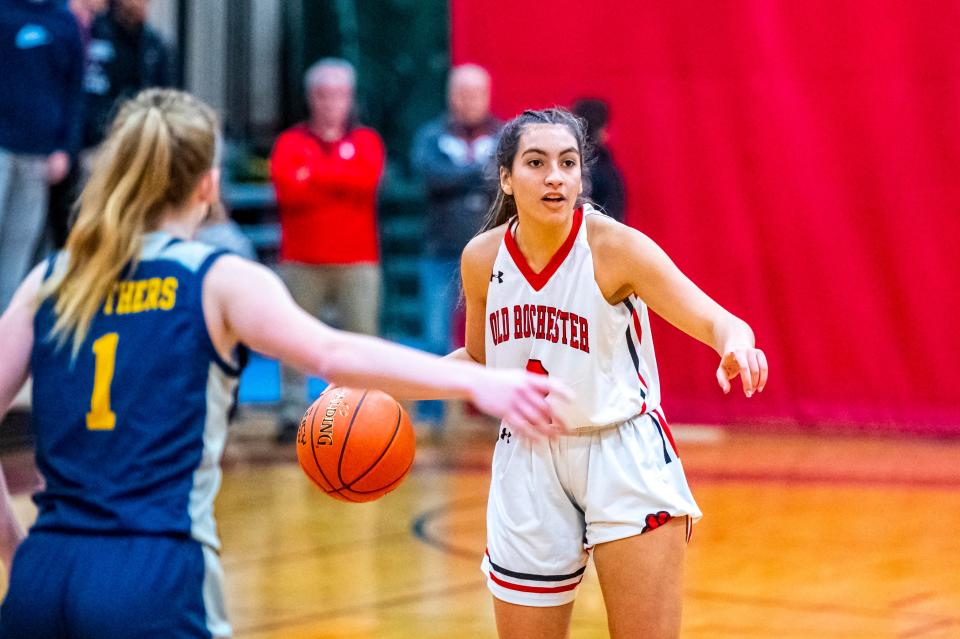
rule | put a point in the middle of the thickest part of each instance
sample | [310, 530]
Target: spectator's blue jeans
[23, 209]
[439, 295]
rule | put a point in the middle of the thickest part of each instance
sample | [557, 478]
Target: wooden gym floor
[803, 537]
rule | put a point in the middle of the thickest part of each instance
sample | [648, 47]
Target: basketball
[356, 444]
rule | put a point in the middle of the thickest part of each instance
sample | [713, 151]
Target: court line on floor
[420, 529]
[816, 607]
[931, 626]
[358, 608]
[250, 558]
[912, 600]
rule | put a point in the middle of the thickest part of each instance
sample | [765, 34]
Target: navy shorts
[80, 586]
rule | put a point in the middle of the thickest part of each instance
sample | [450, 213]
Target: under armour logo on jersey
[506, 435]
[497, 276]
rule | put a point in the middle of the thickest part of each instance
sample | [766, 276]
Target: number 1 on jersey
[100, 416]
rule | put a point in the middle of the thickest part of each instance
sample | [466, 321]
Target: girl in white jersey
[556, 287]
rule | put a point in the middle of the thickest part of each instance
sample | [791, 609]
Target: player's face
[545, 179]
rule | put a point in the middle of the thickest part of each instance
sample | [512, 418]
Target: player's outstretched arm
[11, 532]
[245, 302]
[16, 338]
[647, 271]
[16, 343]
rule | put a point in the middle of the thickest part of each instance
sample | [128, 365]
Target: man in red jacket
[326, 172]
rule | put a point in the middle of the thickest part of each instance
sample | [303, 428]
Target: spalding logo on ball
[356, 444]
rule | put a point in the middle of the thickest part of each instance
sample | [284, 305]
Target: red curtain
[800, 161]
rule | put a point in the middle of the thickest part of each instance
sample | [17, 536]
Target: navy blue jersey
[130, 433]
[90, 586]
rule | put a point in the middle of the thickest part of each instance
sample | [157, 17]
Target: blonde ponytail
[160, 145]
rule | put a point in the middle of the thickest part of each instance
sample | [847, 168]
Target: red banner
[800, 161]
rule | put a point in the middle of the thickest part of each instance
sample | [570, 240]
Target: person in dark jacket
[41, 67]
[605, 184]
[63, 194]
[125, 56]
[452, 154]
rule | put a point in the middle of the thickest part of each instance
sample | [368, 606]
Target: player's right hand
[57, 167]
[747, 362]
[520, 399]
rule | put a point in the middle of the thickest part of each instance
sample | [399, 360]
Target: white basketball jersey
[557, 322]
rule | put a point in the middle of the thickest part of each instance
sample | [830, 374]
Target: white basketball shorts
[552, 500]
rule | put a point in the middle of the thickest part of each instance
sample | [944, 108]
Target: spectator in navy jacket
[451, 155]
[123, 56]
[41, 68]
[64, 193]
[126, 55]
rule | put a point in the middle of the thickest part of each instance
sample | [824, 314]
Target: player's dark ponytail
[504, 208]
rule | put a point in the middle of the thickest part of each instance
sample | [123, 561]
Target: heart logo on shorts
[655, 520]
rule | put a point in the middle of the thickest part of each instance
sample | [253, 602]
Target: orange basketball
[356, 444]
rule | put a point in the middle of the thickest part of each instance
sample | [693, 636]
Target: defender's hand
[749, 363]
[520, 399]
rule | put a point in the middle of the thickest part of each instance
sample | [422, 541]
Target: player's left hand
[58, 165]
[749, 363]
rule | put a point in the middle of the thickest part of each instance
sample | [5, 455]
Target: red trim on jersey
[666, 429]
[537, 589]
[539, 280]
[643, 382]
[636, 325]
[635, 354]
[645, 387]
